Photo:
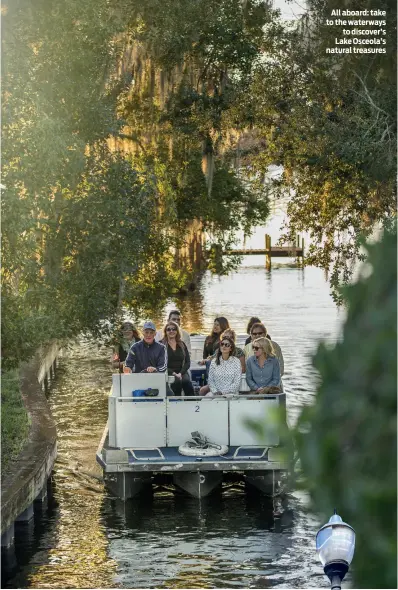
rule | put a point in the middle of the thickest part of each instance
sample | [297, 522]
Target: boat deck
[171, 454]
[168, 459]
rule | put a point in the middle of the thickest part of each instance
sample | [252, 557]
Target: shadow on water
[173, 541]
[40, 531]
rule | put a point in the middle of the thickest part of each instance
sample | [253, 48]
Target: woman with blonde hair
[178, 360]
[263, 374]
[258, 331]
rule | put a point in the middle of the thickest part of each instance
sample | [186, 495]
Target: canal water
[89, 540]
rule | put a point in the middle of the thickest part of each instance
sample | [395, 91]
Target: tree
[88, 230]
[188, 59]
[76, 218]
[330, 121]
[347, 438]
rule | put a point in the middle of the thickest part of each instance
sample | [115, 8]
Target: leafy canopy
[347, 439]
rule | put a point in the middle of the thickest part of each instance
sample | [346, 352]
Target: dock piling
[268, 255]
[292, 250]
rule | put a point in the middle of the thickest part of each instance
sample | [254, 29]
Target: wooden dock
[289, 251]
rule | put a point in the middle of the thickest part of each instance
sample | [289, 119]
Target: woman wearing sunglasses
[178, 360]
[260, 331]
[238, 352]
[263, 374]
[253, 320]
[225, 370]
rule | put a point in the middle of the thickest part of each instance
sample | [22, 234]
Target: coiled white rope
[200, 446]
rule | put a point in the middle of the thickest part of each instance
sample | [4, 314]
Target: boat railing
[148, 422]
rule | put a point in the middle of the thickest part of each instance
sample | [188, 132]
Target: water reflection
[73, 551]
[32, 543]
[230, 540]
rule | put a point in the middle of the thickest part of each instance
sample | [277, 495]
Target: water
[89, 540]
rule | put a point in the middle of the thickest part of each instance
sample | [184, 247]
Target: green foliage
[347, 439]
[101, 234]
[331, 122]
[14, 419]
[204, 54]
[227, 33]
[57, 98]
[87, 232]
[57, 90]
[79, 223]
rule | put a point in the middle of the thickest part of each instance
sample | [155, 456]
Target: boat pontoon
[144, 441]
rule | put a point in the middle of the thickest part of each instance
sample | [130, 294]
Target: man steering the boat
[147, 356]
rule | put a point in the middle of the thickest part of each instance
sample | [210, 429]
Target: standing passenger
[147, 356]
[175, 316]
[178, 361]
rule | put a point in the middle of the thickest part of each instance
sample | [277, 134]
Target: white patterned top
[226, 376]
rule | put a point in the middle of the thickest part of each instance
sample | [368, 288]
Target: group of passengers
[169, 350]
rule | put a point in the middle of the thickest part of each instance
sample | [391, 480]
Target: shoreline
[25, 481]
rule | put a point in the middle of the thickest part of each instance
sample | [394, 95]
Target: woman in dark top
[250, 325]
[252, 321]
[212, 342]
[178, 360]
[127, 335]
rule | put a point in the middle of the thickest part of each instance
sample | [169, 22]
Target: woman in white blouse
[225, 370]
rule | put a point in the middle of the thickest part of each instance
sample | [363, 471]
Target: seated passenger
[178, 360]
[175, 316]
[263, 373]
[212, 341]
[128, 334]
[253, 320]
[260, 331]
[238, 352]
[147, 356]
[225, 370]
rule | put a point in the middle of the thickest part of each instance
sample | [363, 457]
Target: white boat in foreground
[141, 441]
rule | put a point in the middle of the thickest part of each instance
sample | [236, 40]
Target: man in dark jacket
[147, 356]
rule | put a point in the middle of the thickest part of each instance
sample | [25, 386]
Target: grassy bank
[14, 419]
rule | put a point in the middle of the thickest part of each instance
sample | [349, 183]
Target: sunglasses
[171, 329]
[226, 344]
[257, 348]
[258, 333]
